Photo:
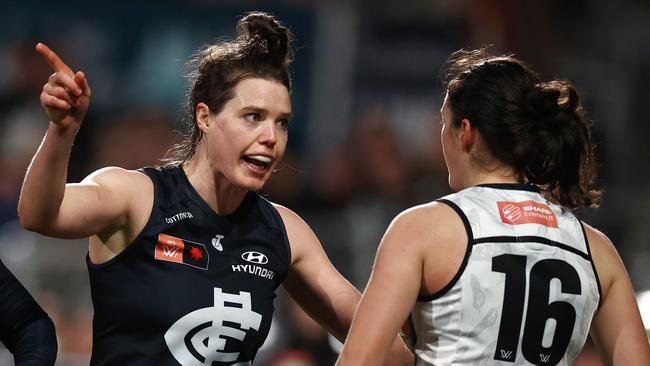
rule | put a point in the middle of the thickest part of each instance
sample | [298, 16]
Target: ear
[467, 135]
[203, 117]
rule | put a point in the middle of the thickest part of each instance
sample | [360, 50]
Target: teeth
[261, 159]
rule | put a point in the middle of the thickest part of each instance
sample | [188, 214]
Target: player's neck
[495, 176]
[222, 196]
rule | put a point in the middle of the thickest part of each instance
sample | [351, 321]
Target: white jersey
[525, 293]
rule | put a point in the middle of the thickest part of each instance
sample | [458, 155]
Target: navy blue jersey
[194, 287]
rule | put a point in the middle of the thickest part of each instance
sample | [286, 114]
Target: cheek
[221, 148]
[280, 148]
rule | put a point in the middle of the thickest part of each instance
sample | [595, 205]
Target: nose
[268, 134]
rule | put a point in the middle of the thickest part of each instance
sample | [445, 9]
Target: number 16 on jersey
[547, 326]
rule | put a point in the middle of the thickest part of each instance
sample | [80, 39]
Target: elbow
[31, 222]
[26, 220]
[28, 224]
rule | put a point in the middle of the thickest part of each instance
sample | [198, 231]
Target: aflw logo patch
[526, 212]
[181, 251]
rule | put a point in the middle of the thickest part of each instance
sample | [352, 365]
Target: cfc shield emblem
[213, 323]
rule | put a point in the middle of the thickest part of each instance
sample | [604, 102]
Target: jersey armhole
[278, 224]
[593, 266]
[150, 173]
[468, 252]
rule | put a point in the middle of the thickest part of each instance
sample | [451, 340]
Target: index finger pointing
[53, 59]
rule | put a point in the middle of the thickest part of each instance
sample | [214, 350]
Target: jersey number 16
[535, 347]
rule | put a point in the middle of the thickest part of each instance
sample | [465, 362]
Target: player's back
[526, 292]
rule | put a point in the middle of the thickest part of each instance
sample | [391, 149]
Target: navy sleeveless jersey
[194, 288]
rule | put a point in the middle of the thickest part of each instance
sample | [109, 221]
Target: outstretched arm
[49, 206]
[65, 98]
[321, 290]
[617, 328]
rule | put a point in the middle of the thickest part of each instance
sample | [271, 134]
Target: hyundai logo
[255, 257]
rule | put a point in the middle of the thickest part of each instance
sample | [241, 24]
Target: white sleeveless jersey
[525, 293]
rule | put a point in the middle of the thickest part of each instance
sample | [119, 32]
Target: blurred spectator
[130, 141]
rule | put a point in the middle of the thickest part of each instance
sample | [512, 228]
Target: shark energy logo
[526, 212]
[201, 333]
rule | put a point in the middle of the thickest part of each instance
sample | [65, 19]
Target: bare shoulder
[113, 175]
[302, 239]
[293, 223]
[424, 232]
[608, 263]
[602, 249]
[287, 215]
[126, 182]
[599, 242]
[430, 220]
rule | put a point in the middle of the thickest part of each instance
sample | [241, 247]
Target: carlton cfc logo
[200, 337]
[255, 257]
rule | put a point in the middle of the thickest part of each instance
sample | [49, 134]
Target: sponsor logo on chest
[254, 259]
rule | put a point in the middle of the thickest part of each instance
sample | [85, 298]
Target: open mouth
[259, 161]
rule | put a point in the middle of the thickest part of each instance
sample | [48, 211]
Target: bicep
[100, 201]
[617, 328]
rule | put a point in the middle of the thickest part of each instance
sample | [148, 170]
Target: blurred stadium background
[364, 144]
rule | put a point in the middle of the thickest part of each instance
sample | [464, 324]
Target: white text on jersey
[252, 269]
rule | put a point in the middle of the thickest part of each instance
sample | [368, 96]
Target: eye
[284, 123]
[253, 117]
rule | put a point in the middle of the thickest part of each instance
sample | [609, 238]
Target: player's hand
[66, 95]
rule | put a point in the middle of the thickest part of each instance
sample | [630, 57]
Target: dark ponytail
[538, 128]
[261, 49]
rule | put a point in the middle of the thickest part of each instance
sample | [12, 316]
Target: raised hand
[66, 95]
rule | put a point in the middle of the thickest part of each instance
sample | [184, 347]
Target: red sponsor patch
[172, 249]
[526, 212]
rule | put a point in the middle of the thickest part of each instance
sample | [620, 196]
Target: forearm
[343, 308]
[25, 329]
[374, 349]
[397, 354]
[44, 185]
[332, 303]
[36, 344]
